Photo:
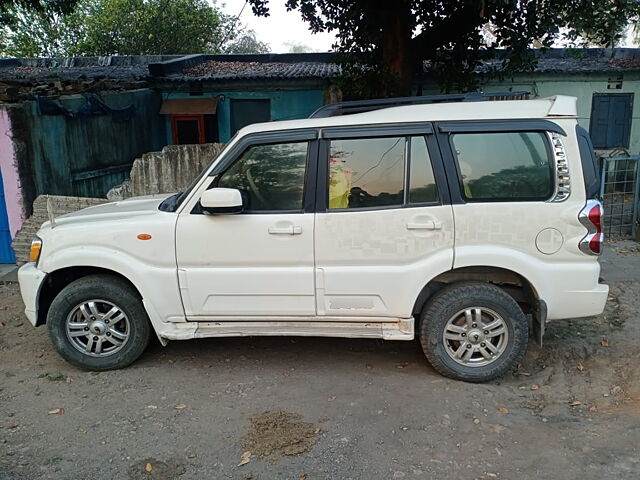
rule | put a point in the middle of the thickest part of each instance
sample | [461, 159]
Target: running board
[402, 329]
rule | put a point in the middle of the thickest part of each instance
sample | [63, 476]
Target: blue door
[6, 252]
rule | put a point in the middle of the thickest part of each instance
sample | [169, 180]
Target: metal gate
[6, 252]
[620, 194]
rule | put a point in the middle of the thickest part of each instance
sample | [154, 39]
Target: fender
[547, 276]
[156, 283]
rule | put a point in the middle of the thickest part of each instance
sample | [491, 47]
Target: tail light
[591, 217]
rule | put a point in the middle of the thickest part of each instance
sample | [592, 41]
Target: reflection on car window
[270, 177]
[504, 166]
[366, 172]
[422, 187]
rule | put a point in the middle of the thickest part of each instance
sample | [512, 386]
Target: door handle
[428, 225]
[288, 230]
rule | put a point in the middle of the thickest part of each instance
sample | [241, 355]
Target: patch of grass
[53, 376]
[615, 317]
[53, 460]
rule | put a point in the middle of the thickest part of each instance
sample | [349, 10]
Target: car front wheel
[98, 323]
[474, 332]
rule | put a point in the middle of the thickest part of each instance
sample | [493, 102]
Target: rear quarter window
[503, 166]
[590, 168]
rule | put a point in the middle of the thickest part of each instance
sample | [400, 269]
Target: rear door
[508, 208]
[384, 223]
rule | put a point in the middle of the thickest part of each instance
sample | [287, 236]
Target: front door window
[270, 177]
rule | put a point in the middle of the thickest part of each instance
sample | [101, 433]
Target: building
[74, 126]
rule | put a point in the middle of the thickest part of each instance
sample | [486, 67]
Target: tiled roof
[581, 60]
[131, 70]
[220, 70]
[43, 70]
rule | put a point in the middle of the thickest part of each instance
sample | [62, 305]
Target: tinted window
[422, 186]
[270, 177]
[367, 172]
[504, 166]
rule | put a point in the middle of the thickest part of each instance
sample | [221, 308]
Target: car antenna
[52, 218]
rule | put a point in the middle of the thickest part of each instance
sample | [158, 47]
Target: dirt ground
[305, 409]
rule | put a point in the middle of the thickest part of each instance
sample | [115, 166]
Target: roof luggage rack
[360, 106]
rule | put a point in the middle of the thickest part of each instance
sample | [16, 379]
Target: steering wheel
[254, 188]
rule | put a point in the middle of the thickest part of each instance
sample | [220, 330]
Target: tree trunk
[397, 59]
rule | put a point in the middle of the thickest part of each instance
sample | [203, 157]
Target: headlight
[36, 248]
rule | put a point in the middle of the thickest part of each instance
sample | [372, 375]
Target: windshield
[172, 203]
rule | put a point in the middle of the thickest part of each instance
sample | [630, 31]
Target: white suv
[467, 224]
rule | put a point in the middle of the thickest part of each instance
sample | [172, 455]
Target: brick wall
[59, 206]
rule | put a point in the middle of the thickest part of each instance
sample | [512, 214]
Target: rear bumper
[578, 303]
[31, 280]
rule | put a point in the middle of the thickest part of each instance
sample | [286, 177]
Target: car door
[258, 263]
[384, 223]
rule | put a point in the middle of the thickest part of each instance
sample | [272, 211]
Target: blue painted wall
[285, 105]
[6, 252]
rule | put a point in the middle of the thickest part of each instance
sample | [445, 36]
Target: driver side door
[258, 264]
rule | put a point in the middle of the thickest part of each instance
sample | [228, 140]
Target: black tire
[457, 297]
[110, 289]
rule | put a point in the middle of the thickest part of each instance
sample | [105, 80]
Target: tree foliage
[42, 7]
[245, 42]
[126, 27]
[391, 39]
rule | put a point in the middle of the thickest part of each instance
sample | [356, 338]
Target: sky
[280, 28]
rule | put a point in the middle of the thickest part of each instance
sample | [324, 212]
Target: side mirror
[221, 201]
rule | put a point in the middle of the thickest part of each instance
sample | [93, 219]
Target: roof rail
[360, 106]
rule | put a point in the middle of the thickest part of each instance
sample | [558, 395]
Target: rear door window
[509, 166]
[380, 172]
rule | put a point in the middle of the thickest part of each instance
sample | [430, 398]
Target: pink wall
[10, 179]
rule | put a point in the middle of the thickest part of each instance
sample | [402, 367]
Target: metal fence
[620, 190]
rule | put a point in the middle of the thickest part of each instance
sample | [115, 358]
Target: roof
[119, 71]
[579, 60]
[560, 106]
[42, 70]
[214, 69]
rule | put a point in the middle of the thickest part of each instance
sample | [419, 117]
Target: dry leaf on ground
[148, 467]
[604, 342]
[575, 403]
[580, 367]
[56, 411]
[503, 410]
[180, 406]
[244, 459]
[535, 387]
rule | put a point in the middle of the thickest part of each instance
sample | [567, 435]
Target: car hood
[112, 211]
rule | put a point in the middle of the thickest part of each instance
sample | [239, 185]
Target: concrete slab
[620, 260]
[8, 272]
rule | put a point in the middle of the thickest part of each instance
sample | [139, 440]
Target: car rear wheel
[98, 323]
[474, 332]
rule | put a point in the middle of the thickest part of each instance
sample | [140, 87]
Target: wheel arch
[58, 279]
[515, 284]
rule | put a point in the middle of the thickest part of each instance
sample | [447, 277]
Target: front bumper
[31, 280]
